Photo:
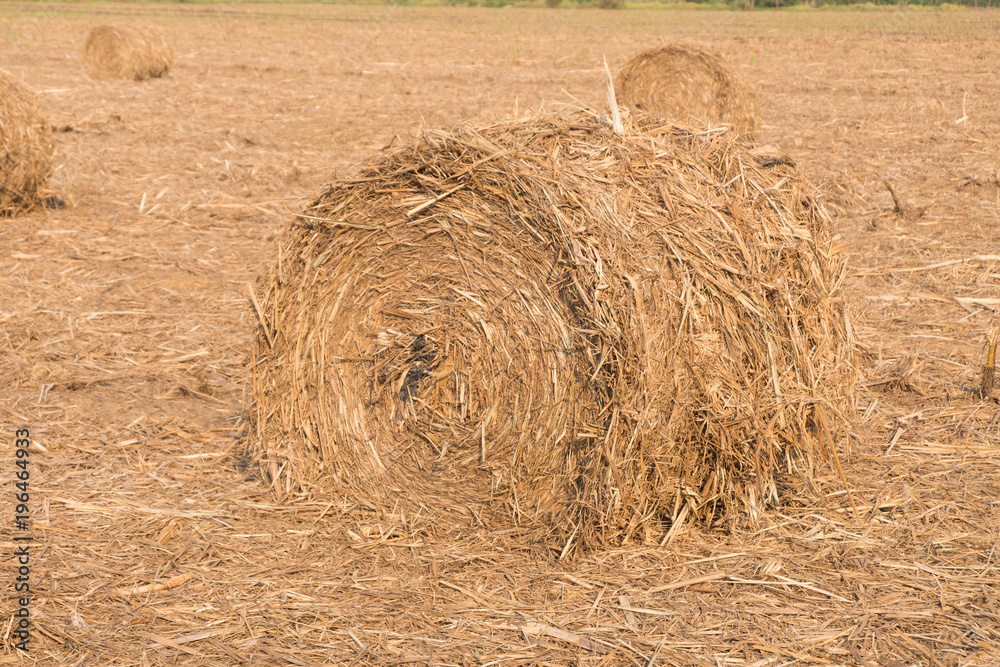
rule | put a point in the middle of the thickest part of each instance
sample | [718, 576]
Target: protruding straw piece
[616, 117]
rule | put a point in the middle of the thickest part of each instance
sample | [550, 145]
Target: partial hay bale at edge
[542, 322]
[26, 148]
[136, 52]
[688, 84]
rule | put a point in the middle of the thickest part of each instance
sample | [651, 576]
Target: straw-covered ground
[125, 324]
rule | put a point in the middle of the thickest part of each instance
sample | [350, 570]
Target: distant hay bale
[543, 322]
[127, 52]
[688, 84]
[26, 149]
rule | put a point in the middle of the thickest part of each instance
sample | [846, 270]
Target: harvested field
[126, 325]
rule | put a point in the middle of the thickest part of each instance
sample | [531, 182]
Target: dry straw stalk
[546, 322]
[136, 52]
[691, 85]
[26, 149]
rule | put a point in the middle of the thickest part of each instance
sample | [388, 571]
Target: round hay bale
[127, 52]
[688, 84]
[26, 149]
[544, 322]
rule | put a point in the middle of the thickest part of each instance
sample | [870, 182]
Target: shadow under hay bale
[690, 85]
[126, 52]
[547, 323]
[26, 149]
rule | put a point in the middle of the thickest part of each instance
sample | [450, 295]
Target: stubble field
[125, 326]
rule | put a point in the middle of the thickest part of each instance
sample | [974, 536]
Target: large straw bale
[545, 322]
[26, 149]
[689, 84]
[136, 52]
